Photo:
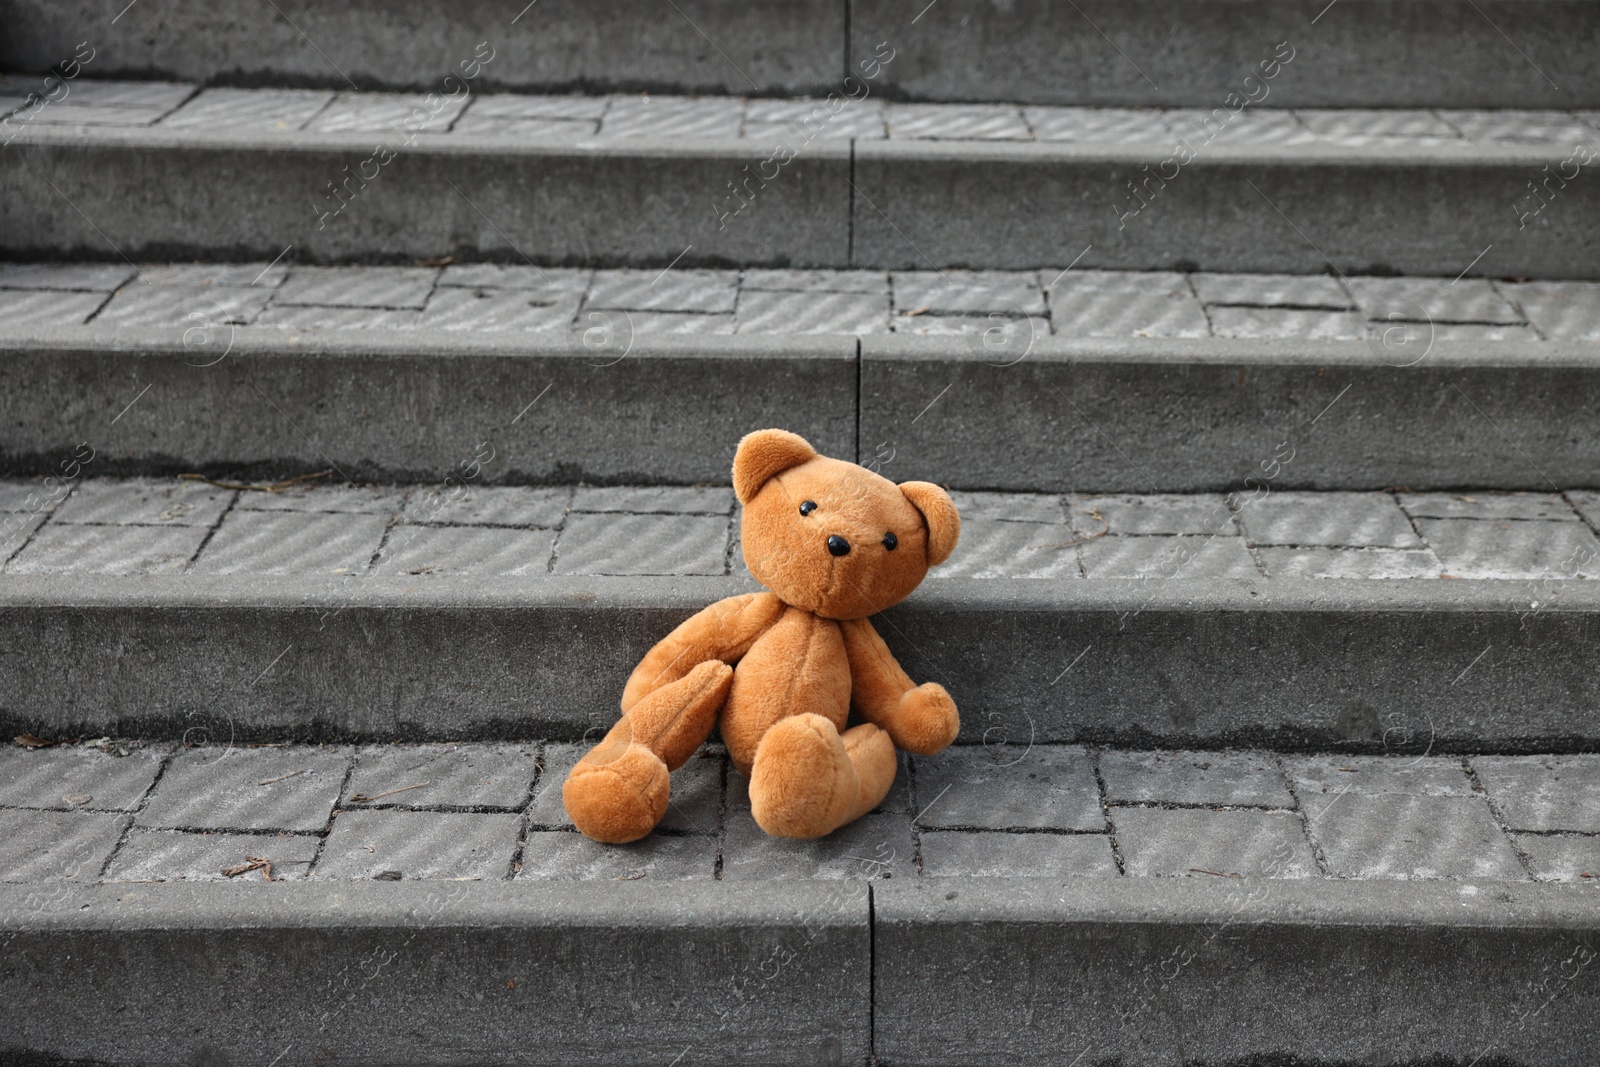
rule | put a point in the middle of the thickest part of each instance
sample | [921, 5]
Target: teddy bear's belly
[797, 666]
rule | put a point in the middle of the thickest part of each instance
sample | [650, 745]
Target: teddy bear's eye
[808, 507]
[890, 541]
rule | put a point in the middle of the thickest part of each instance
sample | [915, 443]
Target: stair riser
[1397, 667]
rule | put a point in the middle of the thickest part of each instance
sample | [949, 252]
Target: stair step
[1186, 890]
[717, 181]
[466, 612]
[1058, 379]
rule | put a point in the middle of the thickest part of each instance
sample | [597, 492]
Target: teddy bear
[781, 670]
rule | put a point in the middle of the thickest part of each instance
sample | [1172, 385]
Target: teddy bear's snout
[838, 546]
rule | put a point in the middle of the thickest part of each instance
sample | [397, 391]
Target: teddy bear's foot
[926, 720]
[618, 791]
[872, 754]
[802, 783]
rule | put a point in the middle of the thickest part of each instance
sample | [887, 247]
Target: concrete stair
[356, 442]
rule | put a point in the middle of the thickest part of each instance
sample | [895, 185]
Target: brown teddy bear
[835, 543]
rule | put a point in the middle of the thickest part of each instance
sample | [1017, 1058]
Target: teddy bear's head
[832, 537]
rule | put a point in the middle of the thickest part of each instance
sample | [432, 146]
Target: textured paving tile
[21, 308]
[1220, 778]
[1359, 519]
[988, 854]
[1376, 563]
[1167, 557]
[796, 122]
[1009, 507]
[365, 287]
[1156, 513]
[453, 550]
[642, 544]
[533, 106]
[1562, 859]
[176, 856]
[40, 846]
[1562, 311]
[1588, 505]
[1510, 549]
[1487, 505]
[1543, 792]
[285, 543]
[1088, 303]
[673, 290]
[673, 117]
[1287, 323]
[418, 844]
[1508, 124]
[957, 122]
[993, 549]
[489, 506]
[499, 309]
[971, 787]
[87, 277]
[1325, 777]
[338, 499]
[108, 550]
[1477, 331]
[264, 274]
[1115, 125]
[68, 114]
[62, 777]
[1431, 299]
[30, 495]
[211, 789]
[569, 855]
[1013, 337]
[867, 282]
[1398, 836]
[874, 846]
[249, 109]
[293, 317]
[1272, 290]
[812, 313]
[1356, 126]
[1195, 843]
[138, 304]
[647, 322]
[516, 276]
[529, 129]
[15, 529]
[131, 94]
[655, 500]
[400, 114]
[468, 776]
[546, 810]
[1254, 126]
[1008, 292]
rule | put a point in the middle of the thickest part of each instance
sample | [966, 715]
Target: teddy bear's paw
[926, 720]
[802, 783]
[873, 756]
[617, 793]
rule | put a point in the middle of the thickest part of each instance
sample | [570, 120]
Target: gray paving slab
[364, 287]
[1543, 792]
[461, 550]
[1170, 557]
[667, 116]
[18, 495]
[129, 94]
[88, 115]
[641, 323]
[642, 544]
[674, 290]
[1332, 776]
[945, 122]
[420, 776]
[872, 847]
[284, 542]
[1587, 504]
[222, 788]
[249, 109]
[976, 787]
[399, 845]
[1359, 126]
[302, 317]
[1014, 335]
[812, 313]
[797, 122]
[1008, 292]
[499, 309]
[1364, 520]
[1093, 303]
[144, 502]
[1177, 777]
[1561, 858]
[993, 854]
[1398, 836]
[990, 548]
[515, 276]
[69, 777]
[653, 500]
[1452, 332]
[488, 506]
[1202, 514]
[85, 277]
[330, 498]
[546, 810]
[391, 113]
[1009, 507]
[1512, 549]
[1565, 311]
[537, 106]
[537, 130]
[1222, 126]
[47, 846]
[1286, 323]
[107, 550]
[20, 309]
[1431, 300]
[864, 282]
[176, 855]
[1486, 505]
[1272, 290]
[137, 304]
[1194, 843]
[15, 530]
[568, 855]
[1512, 124]
[1374, 563]
[1113, 125]
[265, 274]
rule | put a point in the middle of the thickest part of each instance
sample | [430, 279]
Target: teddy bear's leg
[808, 780]
[618, 791]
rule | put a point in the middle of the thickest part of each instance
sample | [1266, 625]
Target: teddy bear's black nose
[838, 546]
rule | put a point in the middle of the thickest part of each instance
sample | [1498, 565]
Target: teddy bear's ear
[764, 454]
[939, 512]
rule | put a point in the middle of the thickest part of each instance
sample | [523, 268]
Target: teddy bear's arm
[724, 631]
[918, 718]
